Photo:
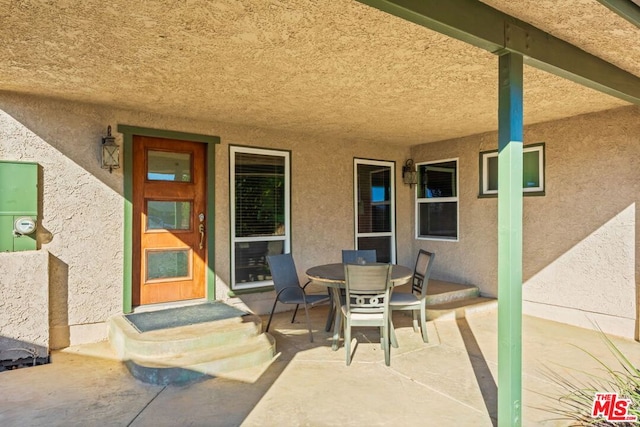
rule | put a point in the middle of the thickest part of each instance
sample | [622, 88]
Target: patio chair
[368, 289]
[350, 256]
[288, 289]
[417, 299]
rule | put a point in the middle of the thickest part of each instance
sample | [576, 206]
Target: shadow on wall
[59, 332]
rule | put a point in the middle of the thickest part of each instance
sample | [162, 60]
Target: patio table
[332, 276]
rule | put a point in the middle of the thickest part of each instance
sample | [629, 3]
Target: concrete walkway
[449, 382]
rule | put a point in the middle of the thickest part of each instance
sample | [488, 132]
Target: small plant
[619, 382]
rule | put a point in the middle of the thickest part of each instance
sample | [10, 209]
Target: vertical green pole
[510, 241]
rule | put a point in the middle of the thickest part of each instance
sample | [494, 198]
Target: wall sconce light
[110, 152]
[409, 174]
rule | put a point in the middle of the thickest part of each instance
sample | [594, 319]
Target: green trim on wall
[128, 133]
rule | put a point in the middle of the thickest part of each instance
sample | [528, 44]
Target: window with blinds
[437, 200]
[260, 200]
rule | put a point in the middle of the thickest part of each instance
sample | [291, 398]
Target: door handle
[201, 229]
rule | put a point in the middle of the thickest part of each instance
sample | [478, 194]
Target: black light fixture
[110, 152]
[409, 174]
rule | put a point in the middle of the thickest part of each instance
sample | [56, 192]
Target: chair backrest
[283, 272]
[367, 287]
[421, 273]
[350, 256]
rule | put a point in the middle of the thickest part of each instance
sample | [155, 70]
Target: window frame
[427, 200]
[286, 154]
[483, 192]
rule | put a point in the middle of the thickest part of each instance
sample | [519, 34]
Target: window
[260, 191]
[375, 207]
[532, 171]
[437, 200]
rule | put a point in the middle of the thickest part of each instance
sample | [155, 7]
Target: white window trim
[485, 170]
[456, 199]
[287, 208]
[392, 203]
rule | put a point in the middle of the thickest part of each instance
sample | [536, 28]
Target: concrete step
[458, 309]
[241, 360]
[440, 292]
[129, 343]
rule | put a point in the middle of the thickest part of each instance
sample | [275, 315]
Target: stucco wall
[580, 238]
[82, 205]
[24, 305]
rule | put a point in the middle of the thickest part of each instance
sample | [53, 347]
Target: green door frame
[128, 132]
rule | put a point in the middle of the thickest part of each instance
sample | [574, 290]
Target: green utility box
[18, 206]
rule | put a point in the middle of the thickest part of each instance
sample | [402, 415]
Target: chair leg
[423, 322]
[385, 343]
[271, 315]
[347, 340]
[392, 333]
[306, 311]
[414, 314]
[293, 319]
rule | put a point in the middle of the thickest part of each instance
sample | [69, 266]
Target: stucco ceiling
[331, 68]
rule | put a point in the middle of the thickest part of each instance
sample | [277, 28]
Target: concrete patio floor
[449, 382]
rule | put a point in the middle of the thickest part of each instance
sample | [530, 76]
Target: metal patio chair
[368, 290]
[417, 299]
[288, 289]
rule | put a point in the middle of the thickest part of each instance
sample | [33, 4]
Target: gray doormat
[182, 316]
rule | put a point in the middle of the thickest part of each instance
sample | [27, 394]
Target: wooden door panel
[166, 220]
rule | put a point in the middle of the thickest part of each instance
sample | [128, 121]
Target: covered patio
[328, 85]
[449, 382]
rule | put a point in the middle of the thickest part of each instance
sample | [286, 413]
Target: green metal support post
[510, 129]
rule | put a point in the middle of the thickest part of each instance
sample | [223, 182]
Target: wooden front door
[169, 211]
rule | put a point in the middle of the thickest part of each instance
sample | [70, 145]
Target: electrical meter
[24, 225]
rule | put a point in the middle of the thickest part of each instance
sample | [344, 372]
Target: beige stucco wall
[24, 304]
[82, 205]
[580, 239]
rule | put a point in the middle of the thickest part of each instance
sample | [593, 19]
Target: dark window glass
[260, 195]
[438, 220]
[437, 180]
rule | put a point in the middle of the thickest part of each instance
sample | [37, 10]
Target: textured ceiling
[330, 69]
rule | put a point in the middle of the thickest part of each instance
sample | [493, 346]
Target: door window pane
[168, 166]
[166, 264]
[381, 244]
[374, 199]
[163, 215]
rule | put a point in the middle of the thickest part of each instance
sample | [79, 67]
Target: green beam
[483, 26]
[510, 128]
[625, 8]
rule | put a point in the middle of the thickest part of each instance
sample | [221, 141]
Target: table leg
[337, 323]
